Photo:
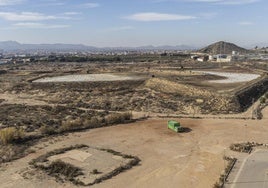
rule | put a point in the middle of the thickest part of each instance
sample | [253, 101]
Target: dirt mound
[167, 86]
[187, 96]
[247, 96]
[223, 48]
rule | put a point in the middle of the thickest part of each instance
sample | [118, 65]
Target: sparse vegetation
[169, 86]
[244, 147]
[94, 122]
[71, 124]
[118, 118]
[217, 185]
[262, 100]
[12, 152]
[62, 168]
[117, 171]
[95, 171]
[43, 158]
[266, 95]
[10, 134]
[48, 130]
[223, 177]
[59, 168]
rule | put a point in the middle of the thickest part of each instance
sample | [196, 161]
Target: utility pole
[223, 47]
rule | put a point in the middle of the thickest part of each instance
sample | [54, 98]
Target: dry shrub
[12, 152]
[262, 100]
[118, 118]
[95, 171]
[92, 123]
[217, 185]
[66, 169]
[171, 87]
[244, 147]
[49, 130]
[127, 115]
[71, 124]
[8, 135]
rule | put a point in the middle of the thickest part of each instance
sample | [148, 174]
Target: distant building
[200, 57]
[194, 57]
[212, 58]
[235, 53]
[27, 60]
[224, 58]
[203, 58]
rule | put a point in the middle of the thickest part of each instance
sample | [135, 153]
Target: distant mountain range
[9, 46]
[216, 48]
[15, 46]
[223, 48]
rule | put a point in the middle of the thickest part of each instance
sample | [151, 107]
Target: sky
[109, 23]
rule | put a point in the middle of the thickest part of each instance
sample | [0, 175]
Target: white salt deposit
[85, 78]
[231, 77]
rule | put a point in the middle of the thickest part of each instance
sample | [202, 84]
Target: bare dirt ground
[168, 159]
[160, 88]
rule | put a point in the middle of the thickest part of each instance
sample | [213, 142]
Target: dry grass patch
[94, 122]
[48, 130]
[244, 147]
[71, 124]
[118, 118]
[167, 86]
[12, 152]
[10, 134]
[62, 168]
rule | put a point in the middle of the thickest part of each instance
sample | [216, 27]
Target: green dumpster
[175, 126]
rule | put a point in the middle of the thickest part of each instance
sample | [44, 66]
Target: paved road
[253, 172]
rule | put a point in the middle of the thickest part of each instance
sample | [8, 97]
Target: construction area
[105, 124]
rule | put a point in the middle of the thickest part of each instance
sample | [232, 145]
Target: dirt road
[253, 171]
[192, 159]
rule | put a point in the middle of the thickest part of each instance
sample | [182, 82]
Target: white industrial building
[223, 58]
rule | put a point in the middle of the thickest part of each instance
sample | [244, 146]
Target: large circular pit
[87, 78]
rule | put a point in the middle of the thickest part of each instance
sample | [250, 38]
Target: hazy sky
[134, 22]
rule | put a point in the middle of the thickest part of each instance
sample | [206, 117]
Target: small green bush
[8, 135]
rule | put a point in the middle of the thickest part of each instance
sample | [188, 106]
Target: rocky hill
[223, 48]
